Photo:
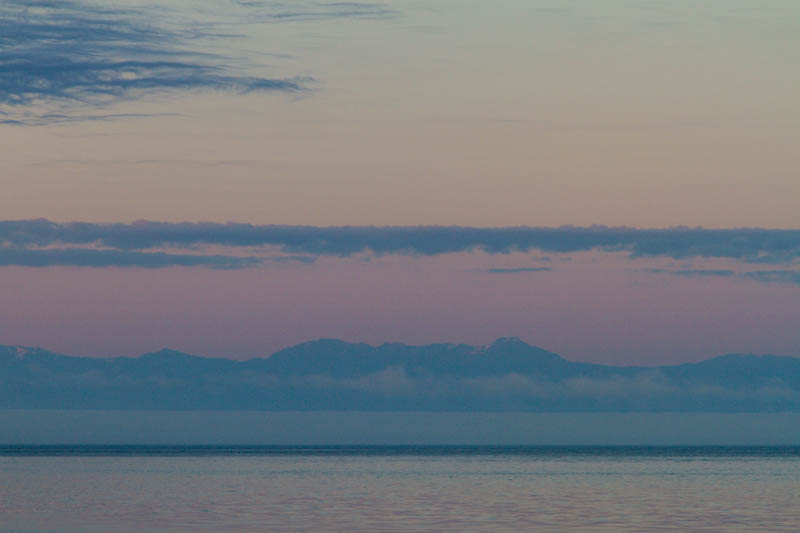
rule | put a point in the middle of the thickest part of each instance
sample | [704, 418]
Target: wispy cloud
[776, 276]
[281, 11]
[518, 270]
[60, 56]
[198, 163]
[753, 245]
[779, 276]
[701, 273]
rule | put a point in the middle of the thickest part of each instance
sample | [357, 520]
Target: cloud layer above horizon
[753, 245]
[146, 244]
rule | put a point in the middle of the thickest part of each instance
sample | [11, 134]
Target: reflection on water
[406, 488]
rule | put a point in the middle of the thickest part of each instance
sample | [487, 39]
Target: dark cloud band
[749, 244]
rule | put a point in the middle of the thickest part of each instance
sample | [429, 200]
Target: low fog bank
[329, 375]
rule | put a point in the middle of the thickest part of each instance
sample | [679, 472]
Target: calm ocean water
[399, 488]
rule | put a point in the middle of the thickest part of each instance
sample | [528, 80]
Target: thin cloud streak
[85, 257]
[518, 270]
[778, 276]
[271, 11]
[766, 276]
[81, 257]
[702, 273]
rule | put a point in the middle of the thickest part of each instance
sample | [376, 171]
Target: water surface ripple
[399, 488]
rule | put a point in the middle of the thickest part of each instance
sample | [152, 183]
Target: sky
[232, 177]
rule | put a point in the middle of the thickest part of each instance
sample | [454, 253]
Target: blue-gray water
[28, 426]
[399, 488]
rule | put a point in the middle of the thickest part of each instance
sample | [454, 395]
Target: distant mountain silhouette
[327, 374]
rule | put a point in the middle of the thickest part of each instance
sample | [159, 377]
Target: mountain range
[507, 375]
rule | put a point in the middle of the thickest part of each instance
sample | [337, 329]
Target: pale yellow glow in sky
[638, 113]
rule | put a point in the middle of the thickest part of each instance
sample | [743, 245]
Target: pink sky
[642, 114]
[597, 307]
